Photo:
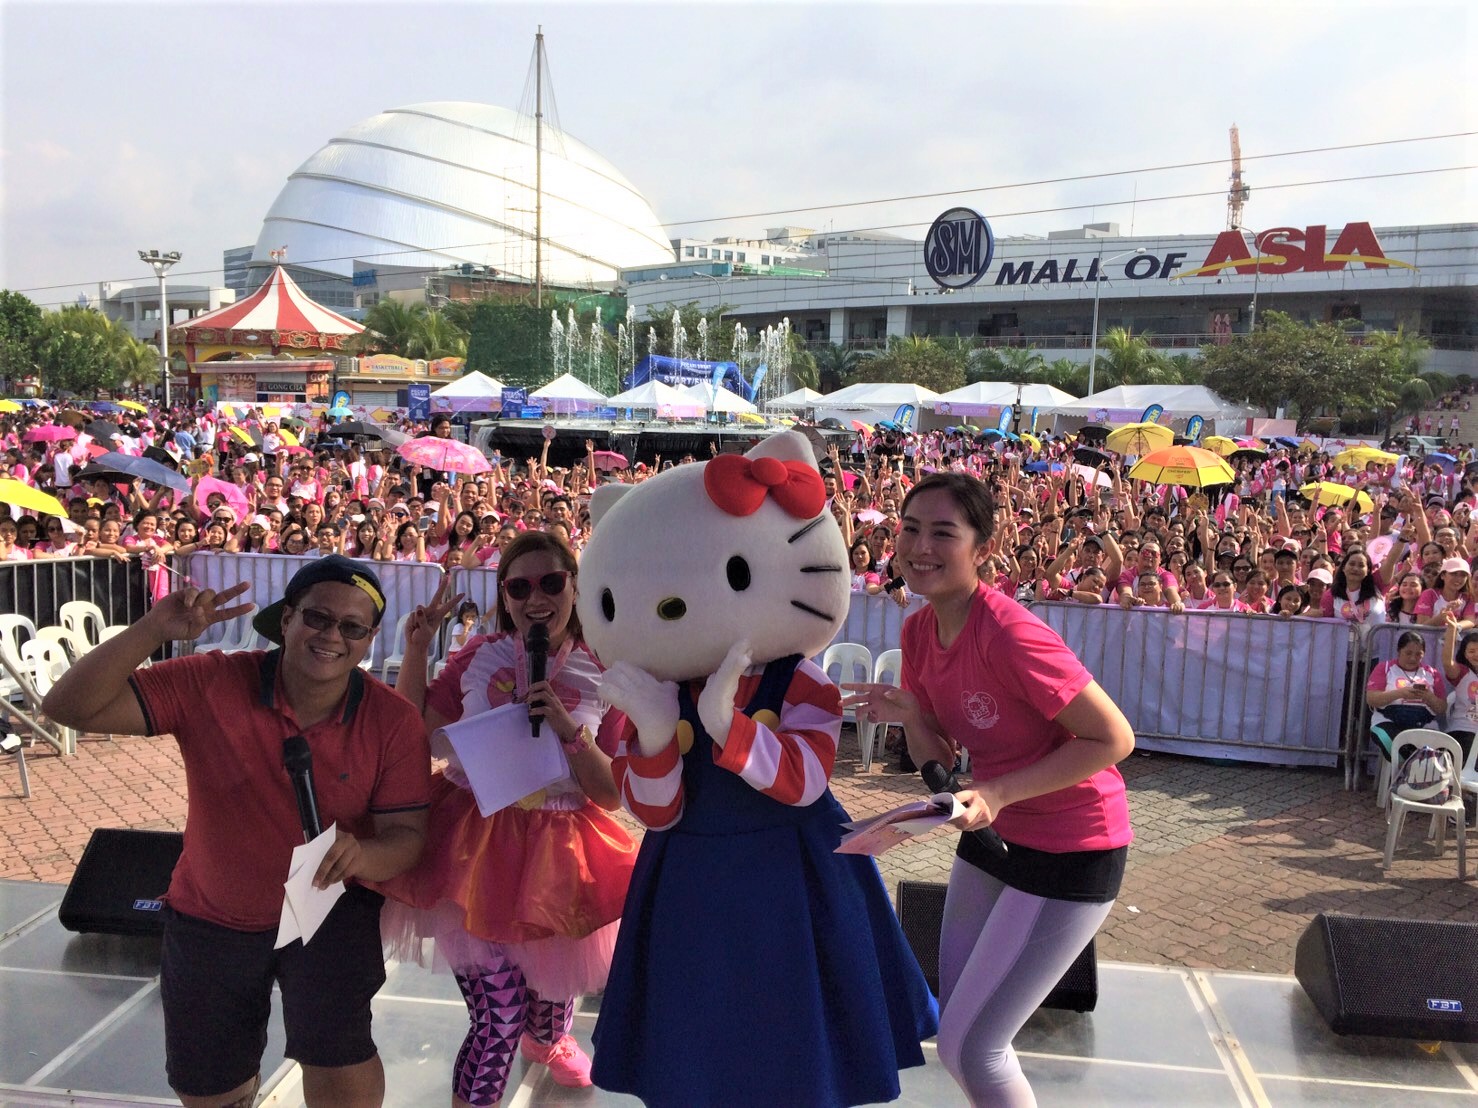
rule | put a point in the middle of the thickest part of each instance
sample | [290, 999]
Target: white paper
[501, 760]
[304, 908]
[881, 833]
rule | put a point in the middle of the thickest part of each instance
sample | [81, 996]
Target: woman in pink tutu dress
[524, 904]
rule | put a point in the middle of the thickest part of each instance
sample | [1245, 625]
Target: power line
[493, 243]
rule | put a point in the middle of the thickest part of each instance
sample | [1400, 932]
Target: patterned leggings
[502, 1008]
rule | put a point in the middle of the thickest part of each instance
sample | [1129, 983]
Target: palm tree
[834, 364]
[1021, 363]
[390, 327]
[1125, 358]
[437, 337]
[1067, 375]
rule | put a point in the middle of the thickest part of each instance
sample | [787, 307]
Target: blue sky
[173, 126]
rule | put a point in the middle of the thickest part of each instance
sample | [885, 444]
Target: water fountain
[703, 339]
[594, 355]
[556, 342]
[679, 336]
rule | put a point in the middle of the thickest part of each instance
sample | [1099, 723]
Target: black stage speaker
[118, 884]
[921, 913]
[1403, 978]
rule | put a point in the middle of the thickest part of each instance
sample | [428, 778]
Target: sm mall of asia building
[1182, 292]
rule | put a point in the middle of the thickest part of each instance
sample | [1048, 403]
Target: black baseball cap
[333, 568]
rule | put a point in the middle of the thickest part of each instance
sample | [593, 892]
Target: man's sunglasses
[352, 630]
[550, 584]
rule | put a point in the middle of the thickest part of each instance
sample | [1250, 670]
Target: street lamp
[1097, 289]
[160, 263]
[1256, 273]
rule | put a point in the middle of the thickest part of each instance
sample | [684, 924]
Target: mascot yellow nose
[672, 608]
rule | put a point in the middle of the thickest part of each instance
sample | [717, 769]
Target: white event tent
[797, 401]
[984, 398]
[666, 401]
[1126, 403]
[472, 392]
[719, 400]
[873, 401]
[567, 393]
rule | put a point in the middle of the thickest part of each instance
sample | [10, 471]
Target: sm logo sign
[959, 248]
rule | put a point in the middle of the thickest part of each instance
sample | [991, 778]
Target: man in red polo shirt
[230, 714]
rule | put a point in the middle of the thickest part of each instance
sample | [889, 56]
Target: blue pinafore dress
[754, 966]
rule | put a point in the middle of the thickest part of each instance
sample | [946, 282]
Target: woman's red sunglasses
[550, 584]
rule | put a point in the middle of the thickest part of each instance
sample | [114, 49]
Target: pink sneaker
[568, 1064]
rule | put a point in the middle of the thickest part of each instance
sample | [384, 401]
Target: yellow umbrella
[9, 406]
[1183, 465]
[24, 496]
[1327, 492]
[1360, 455]
[244, 435]
[751, 417]
[1031, 440]
[134, 404]
[1219, 444]
[287, 437]
[1139, 438]
[1308, 446]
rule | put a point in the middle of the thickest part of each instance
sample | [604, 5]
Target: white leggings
[1000, 953]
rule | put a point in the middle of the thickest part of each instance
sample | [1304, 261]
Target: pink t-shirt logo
[980, 709]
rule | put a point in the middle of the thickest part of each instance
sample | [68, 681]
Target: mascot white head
[739, 548]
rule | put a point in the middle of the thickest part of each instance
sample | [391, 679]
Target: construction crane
[1238, 193]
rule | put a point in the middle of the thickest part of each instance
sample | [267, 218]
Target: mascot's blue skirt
[754, 966]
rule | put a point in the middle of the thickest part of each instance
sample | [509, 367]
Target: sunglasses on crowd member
[550, 584]
[1222, 584]
[352, 630]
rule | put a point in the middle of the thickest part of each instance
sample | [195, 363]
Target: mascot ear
[604, 498]
[786, 446]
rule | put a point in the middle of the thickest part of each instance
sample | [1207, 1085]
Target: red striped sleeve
[791, 763]
[651, 788]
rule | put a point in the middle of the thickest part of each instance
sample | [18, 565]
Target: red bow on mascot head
[739, 485]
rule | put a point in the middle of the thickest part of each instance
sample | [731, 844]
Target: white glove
[716, 701]
[651, 705]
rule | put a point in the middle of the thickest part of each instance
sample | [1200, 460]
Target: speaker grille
[119, 870]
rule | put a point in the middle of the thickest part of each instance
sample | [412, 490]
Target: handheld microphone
[940, 780]
[537, 646]
[297, 759]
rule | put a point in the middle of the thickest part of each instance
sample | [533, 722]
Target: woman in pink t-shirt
[983, 673]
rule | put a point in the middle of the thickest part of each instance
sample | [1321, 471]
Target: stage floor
[80, 1024]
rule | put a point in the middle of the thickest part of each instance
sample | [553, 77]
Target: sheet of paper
[882, 833]
[304, 908]
[502, 761]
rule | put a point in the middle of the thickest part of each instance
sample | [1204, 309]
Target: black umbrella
[829, 422]
[162, 456]
[1180, 440]
[102, 430]
[1248, 454]
[1090, 457]
[125, 467]
[1093, 432]
[355, 429]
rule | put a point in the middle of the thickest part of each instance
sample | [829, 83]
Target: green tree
[985, 364]
[1125, 358]
[80, 350]
[919, 360]
[437, 337]
[390, 327]
[1067, 375]
[20, 327]
[835, 365]
[1020, 363]
[509, 341]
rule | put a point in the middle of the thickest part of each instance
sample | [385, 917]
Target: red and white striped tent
[279, 315]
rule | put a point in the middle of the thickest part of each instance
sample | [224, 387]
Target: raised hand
[188, 613]
[650, 704]
[716, 701]
[426, 620]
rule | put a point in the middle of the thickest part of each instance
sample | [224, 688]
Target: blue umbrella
[1045, 467]
[113, 466]
[1446, 461]
[1286, 442]
[106, 407]
[340, 412]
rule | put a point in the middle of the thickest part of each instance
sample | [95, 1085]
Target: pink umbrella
[608, 460]
[235, 499]
[871, 515]
[49, 432]
[447, 454]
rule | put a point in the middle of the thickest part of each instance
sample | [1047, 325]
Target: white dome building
[440, 184]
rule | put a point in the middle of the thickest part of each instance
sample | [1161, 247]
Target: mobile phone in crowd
[340, 525]
[423, 524]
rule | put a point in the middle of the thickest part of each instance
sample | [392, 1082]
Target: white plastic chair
[15, 631]
[73, 643]
[1469, 774]
[852, 663]
[1452, 808]
[239, 636]
[1388, 766]
[887, 670]
[393, 660]
[44, 662]
[83, 618]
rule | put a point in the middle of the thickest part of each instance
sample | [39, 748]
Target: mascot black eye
[608, 605]
[738, 570]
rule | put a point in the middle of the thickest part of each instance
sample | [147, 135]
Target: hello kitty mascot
[754, 966]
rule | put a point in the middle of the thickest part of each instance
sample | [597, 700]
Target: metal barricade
[38, 588]
[876, 621]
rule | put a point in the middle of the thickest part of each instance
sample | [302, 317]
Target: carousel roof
[279, 305]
